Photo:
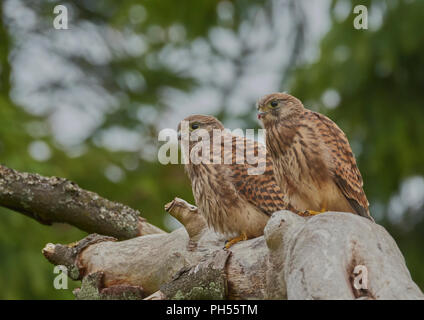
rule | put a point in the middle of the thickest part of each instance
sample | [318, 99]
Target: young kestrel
[313, 161]
[234, 201]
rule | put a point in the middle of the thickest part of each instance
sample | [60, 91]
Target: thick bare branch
[53, 199]
[297, 258]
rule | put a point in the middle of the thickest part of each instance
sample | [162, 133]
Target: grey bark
[54, 199]
[297, 258]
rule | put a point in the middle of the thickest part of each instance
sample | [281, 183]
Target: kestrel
[233, 201]
[313, 161]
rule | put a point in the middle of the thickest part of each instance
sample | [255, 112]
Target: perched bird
[313, 161]
[233, 201]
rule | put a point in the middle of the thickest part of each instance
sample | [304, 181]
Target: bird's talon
[312, 212]
[233, 241]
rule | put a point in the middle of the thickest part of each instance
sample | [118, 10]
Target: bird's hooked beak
[261, 114]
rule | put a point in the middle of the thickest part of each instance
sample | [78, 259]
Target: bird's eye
[274, 103]
[195, 126]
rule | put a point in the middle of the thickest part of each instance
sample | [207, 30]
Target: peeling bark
[54, 199]
[92, 289]
[206, 280]
[296, 258]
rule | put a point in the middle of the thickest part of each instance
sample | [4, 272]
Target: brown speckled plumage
[231, 200]
[313, 161]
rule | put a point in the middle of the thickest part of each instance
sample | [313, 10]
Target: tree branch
[53, 199]
[297, 258]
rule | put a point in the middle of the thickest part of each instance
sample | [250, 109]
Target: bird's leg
[324, 206]
[233, 241]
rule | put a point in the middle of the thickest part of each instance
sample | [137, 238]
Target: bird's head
[275, 107]
[198, 126]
